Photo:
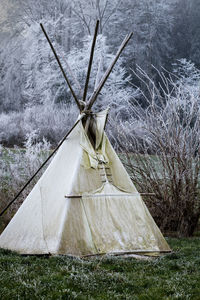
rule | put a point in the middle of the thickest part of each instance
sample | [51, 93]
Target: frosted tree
[186, 31]
[25, 53]
[116, 93]
[151, 23]
[67, 22]
[182, 28]
[11, 75]
[194, 32]
[30, 76]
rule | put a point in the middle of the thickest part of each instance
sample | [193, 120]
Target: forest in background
[33, 94]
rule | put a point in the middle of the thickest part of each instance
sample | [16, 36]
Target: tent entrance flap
[94, 125]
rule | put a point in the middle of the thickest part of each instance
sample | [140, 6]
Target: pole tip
[131, 34]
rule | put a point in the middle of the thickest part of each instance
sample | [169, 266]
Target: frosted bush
[50, 121]
[11, 128]
[161, 148]
[17, 166]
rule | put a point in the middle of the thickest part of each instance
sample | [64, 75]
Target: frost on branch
[16, 167]
[160, 145]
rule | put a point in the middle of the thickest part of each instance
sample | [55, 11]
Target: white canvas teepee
[85, 203]
[104, 215]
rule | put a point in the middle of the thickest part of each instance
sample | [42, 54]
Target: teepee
[85, 202]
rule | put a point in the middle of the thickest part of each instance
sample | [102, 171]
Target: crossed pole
[82, 108]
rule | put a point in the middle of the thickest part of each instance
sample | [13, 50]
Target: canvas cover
[109, 217]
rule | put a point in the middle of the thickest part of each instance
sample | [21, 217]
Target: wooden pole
[59, 63]
[44, 163]
[90, 61]
[103, 80]
[111, 195]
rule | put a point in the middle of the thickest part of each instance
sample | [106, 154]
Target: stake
[59, 63]
[90, 61]
[44, 163]
[103, 80]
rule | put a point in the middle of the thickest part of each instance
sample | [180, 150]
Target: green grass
[173, 276]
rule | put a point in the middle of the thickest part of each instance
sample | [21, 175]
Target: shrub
[160, 145]
[16, 167]
[51, 121]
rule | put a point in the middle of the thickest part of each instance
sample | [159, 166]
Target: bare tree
[89, 11]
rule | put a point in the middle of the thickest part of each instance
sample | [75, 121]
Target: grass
[173, 276]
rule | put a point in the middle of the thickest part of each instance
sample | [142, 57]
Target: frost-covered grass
[173, 276]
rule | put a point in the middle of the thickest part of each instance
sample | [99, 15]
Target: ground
[173, 276]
